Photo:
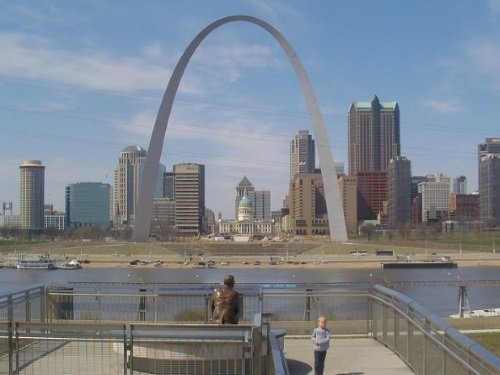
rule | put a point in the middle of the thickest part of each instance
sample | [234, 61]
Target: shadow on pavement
[298, 367]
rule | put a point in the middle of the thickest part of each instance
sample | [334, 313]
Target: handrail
[278, 357]
[458, 348]
[398, 302]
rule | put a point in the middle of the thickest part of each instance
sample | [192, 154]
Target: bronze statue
[225, 303]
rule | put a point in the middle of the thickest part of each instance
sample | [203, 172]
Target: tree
[367, 230]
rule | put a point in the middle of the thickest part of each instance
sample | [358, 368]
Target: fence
[101, 349]
[161, 329]
[426, 343]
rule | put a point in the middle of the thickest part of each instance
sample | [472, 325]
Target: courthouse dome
[245, 202]
[136, 148]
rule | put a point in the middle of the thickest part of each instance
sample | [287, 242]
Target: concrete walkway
[358, 356]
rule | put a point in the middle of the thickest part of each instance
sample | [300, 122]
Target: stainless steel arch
[332, 196]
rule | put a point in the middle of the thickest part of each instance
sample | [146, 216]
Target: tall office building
[127, 182]
[339, 167]
[435, 194]
[160, 182]
[464, 207]
[32, 184]
[489, 181]
[244, 187]
[261, 204]
[415, 180]
[372, 193]
[489, 146]
[307, 204]
[459, 185]
[398, 192]
[169, 185]
[302, 154]
[87, 205]
[374, 135]
[163, 217]
[189, 198]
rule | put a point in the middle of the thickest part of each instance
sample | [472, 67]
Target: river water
[441, 301]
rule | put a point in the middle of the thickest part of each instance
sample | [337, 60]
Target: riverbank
[249, 262]
[200, 254]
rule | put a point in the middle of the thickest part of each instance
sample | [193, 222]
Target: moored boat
[478, 313]
[72, 265]
[42, 262]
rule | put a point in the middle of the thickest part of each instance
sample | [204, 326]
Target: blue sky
[81, 80]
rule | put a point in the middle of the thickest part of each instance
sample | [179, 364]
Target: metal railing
[26, 304]
[77, 325]
[426, 343]
[89, 348]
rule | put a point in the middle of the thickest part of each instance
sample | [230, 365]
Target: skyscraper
[302, 154]
[87, 205]
[435, 193]
[127, 182]
[169, 185]
[398, 192]
[374, 135]
[261, 204]
[32, 184]
[189, 198]
[307, 204]
[372, 192]
[489, 181]
[459, 185]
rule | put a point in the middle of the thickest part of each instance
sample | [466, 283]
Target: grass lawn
[490, 341]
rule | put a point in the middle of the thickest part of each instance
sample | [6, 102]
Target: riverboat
[72, 265]
[478, 313]
[43, 262]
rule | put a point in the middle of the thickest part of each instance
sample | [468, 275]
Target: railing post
[17, 348]
[131, 350]
[27, 305]
[98, 300]
[261, 301]
[256, 350]
[384, 325]
[10, 309]
[424, 347]
[396, 330]
[11, 346]
[307, 308]
[369, 316]
[125, 349]
[142, 305]
[207, 307]
[155, 303]
[43, 297]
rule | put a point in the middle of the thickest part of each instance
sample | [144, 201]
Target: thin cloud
[35, 58]
[445, 107]
[226, 61]
[273, 9]
[484, 58]
[494, 6]
[32, 57]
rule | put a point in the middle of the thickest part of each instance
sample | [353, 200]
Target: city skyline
[77, 90]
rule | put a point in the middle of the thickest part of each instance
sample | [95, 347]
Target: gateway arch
[332, 195]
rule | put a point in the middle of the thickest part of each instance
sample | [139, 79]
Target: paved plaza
[353, 356]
